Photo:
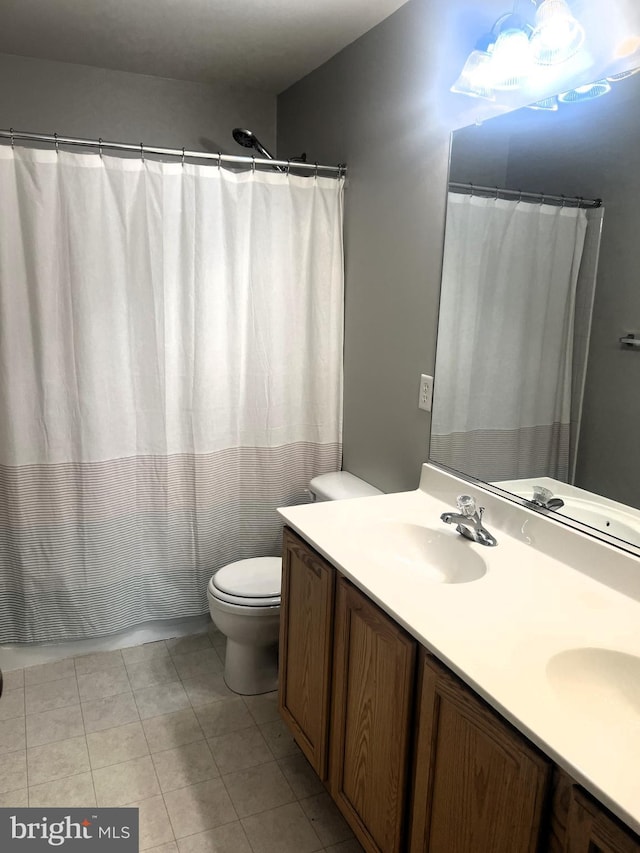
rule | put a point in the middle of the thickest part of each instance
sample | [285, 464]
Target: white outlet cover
[426, 392]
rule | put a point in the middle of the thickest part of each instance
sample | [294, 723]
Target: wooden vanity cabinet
[372, 716]
[590, 829]
[414, 759]
[478, 784]
[306, 647]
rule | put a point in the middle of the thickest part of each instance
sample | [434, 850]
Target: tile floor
[154, 726]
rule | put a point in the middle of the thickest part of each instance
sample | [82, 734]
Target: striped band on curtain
[138, 533]
[493, 455]
[171, 373]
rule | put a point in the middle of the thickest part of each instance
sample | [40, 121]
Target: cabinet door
[374, 671]
[306, 634]
[479, 786]
[590, 829]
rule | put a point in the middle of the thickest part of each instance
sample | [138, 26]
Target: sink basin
[602, 683]
[439, 556]
[603, 518]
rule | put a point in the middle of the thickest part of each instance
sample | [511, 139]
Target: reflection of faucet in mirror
[543, 499]
[469, 521]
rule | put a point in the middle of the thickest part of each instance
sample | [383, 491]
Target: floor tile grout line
[93, 780]
[296, 802]
[162, 793]
[211, 829]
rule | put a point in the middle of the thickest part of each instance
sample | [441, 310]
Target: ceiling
[263, 44]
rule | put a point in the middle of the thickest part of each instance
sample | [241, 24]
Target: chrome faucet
[468, 521]
[543, 499]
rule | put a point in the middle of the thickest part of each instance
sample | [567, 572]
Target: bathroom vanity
[458, 698]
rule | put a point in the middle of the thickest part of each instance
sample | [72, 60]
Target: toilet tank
[339, 485]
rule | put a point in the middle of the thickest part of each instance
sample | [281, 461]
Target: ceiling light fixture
[536, 33]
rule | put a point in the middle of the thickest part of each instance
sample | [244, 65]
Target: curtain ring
[563, 201]
[519, 195]
[219, 159]
[497, 193]
[316, 172]
[288, 166]
[142, 152]
[13, 141]
[253, 164]
[182, 159]
[55, 136]
[100, 147]
[470, 189]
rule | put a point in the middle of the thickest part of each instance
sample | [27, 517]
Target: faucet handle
[466, 505]
[541, 495]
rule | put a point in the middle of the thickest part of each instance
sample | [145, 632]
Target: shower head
[248, 139]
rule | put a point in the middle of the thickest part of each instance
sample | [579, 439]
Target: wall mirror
[537, 379]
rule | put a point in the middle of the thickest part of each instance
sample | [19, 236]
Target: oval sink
[600, 682]
[440, 556]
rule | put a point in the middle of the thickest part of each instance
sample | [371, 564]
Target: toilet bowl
[244, 601]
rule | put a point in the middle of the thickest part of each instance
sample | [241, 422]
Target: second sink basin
[602, 683]
[439, 556]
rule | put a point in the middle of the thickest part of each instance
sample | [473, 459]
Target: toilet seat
[251, 583]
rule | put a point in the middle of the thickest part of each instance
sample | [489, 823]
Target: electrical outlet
[426, 392]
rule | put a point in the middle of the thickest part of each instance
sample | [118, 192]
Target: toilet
[244, 600]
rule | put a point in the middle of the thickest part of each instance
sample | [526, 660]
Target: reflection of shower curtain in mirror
[170, 374]
[502, 406]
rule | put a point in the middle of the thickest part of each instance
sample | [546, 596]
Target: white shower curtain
[170, 373]
[502, 399]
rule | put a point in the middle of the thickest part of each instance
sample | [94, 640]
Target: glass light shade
[474, 78]
[623, 75]
[510, 60]
[550, 104]
[557, 35]
[585, 93]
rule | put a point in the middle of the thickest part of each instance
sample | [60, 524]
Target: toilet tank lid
[259, 577]
[339, 485]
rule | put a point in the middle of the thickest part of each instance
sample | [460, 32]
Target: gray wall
[76, 100]
[382, 105]
[379, 106]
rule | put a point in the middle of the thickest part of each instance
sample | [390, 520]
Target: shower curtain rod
[522, 195]
[338, 171]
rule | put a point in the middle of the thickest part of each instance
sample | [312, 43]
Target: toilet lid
[257, 578]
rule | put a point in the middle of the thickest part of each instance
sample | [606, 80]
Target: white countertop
[549, 635]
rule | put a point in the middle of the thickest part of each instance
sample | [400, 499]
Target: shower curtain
[502, 399]
[170, 373]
